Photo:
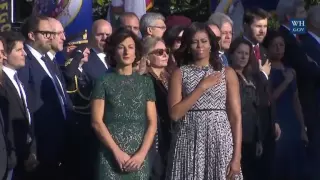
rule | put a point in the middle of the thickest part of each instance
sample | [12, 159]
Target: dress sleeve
[150, 92]
[99, 90]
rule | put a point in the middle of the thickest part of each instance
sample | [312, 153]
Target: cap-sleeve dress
[125, 117]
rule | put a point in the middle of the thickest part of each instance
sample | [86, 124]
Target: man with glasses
[97, 65]
[46, 97]
[152, 24]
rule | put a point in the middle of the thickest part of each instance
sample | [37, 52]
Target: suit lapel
[97, 61]
[12, 89]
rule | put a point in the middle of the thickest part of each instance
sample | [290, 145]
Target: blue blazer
[48, 118]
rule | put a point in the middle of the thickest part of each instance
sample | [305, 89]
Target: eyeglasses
[160, 52]
[160, 27]
[46, 34]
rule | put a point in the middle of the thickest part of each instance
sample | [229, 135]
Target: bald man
[96, 65]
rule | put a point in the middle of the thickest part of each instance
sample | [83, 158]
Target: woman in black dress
[156, 58]
[240, 55]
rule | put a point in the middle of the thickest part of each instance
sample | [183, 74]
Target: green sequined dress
[125, 117]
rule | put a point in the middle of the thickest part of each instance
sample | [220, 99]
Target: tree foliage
[197, 10]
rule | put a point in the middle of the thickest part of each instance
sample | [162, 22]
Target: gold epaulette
[76, 90]
[68, 62]
[78, 42]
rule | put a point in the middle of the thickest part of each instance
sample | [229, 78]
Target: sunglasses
[160, 52]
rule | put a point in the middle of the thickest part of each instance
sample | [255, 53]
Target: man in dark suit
[311, 45]
[15, 107]
[255, 28]
[97, 65]
[3, 149]
[47, 98]
[5, 141]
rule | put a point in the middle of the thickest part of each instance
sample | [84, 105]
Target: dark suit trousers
[249, 161]
[265, 163]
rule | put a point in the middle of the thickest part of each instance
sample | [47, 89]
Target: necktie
[256, 50]
[224, 60]
[20, 91]
[52, 71]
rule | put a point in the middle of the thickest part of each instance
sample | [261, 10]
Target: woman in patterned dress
[205, 103]
[124, 114]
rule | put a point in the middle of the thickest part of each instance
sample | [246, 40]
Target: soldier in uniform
[79, 88]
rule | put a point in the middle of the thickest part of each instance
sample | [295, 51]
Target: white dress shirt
[50, 55]
[10, 73]
[38, 57]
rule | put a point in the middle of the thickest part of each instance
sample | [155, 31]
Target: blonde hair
[148, 44]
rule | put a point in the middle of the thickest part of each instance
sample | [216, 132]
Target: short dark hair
[115, 39]
[126, 15]
[10, 39]
[271, 35]
[171, 34]
[252, 13]
[31, 24]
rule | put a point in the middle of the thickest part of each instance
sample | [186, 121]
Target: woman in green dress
[124, 113]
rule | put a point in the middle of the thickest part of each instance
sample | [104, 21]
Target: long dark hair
[115, 39]
[247, 70]
[183, 55]
[171, 35]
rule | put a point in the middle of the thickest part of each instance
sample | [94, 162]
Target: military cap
[77, 39]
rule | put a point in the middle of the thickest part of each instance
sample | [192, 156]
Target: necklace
[248, 83]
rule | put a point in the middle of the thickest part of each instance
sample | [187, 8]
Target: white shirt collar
[51, 55]
[314, 36]
[102, 57]
[34, 52]
[9, 72]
